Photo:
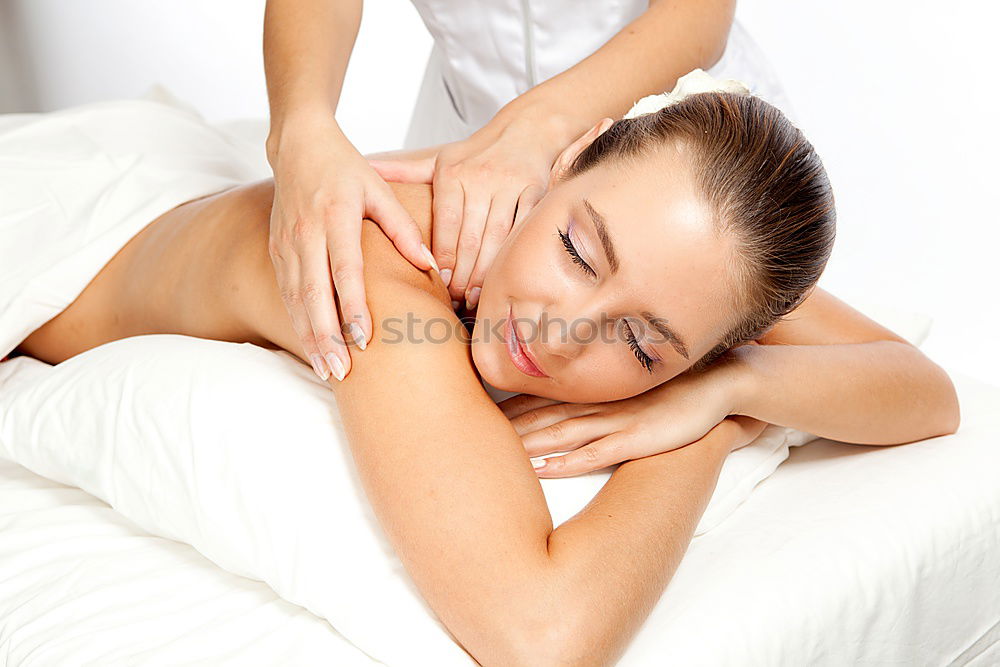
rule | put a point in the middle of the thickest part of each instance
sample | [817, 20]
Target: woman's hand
[595, 435]
[483, 187]
[323, 190]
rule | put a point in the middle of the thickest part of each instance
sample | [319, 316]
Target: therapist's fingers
[347, 268]
[470, 238]
[449, 200]
[530, 196]
[498, 226]
[287, 276]
[405, 171]
[318, 298]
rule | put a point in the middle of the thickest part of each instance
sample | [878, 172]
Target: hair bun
[695, 81]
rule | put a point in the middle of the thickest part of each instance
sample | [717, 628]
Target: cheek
[602, 373]
[520, 264]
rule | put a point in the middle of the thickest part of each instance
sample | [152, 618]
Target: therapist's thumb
[399, 226]
[405, 171]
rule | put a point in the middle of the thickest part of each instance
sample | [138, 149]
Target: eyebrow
[658, 323]
[602, 233]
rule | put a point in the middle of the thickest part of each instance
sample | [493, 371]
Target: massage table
[847, 554]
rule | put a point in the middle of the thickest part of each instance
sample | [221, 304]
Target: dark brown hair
[766, 186]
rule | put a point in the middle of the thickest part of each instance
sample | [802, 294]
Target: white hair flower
[695, 81]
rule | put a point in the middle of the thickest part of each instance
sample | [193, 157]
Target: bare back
[201, 269]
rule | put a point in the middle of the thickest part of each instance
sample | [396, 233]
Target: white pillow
[238, 451]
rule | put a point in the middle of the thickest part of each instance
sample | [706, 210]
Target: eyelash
[644, 359]
[571, 249]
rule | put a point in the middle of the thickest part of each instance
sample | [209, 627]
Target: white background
[899, 97]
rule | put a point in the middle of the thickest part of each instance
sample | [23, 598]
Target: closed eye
[571, 249]
[644, 359]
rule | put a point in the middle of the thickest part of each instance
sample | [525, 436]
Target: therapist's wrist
[308, 123]
[554, 126]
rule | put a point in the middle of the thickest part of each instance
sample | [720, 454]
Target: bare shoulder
[416, 199]
[388, 268]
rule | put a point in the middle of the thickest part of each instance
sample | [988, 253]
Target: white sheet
[850, 555]
[77, 184]
[80, 584]
[846, 555]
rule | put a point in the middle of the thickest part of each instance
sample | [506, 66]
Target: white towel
[76, 185]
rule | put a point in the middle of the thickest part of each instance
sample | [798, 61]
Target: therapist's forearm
[647, 56]
[876, 393]
[307, 44]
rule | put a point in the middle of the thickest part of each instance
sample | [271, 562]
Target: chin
[490, 367]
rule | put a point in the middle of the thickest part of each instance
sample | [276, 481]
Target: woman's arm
[453, 489]
[829, 370]
[825, 369]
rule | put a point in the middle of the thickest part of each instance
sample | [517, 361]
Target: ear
[569, 153]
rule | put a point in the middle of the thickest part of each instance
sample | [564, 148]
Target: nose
[566, 331]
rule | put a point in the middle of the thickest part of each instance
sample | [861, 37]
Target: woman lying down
[658, 307]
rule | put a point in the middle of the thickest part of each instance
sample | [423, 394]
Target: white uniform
[487, 52]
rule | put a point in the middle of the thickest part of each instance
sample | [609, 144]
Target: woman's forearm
[669, 39]
[874, 393]
[307, 44]
[614, 559]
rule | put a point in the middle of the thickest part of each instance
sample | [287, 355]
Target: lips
[519, 354]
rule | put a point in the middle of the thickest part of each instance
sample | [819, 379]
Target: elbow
[543, 619]
[555, 643]
[952, 411]
[537, 649]
[531, 627]
[568, 630]
[542, 644]
[936, 404]
[547, 630]
[944, 404]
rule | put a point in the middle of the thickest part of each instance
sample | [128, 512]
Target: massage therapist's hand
[596, 435]
[323, 190]
[483, 186]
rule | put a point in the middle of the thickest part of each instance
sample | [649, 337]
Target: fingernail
[336, 366]
[319, 367]
[445, 276]
[472, 298]
[358, 335]
[455, 305]
[537, 463]
[429, 256]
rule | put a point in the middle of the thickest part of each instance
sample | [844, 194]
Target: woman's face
[586, 323]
